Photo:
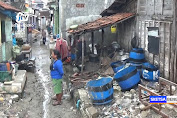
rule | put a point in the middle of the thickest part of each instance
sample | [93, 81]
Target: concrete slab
[17, 85]
[84, 97]
[92, 112]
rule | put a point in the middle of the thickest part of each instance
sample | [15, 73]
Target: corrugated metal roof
[8, 7]
[102, 22]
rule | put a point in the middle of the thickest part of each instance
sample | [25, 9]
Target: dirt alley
[36, 102]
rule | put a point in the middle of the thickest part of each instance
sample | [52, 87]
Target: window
[153, 40]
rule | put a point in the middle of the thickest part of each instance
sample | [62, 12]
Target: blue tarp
[8, 13]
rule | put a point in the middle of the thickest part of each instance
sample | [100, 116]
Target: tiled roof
[102, 22]
[8, 7]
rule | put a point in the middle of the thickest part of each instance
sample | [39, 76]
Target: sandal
[56, 103]
[54, 97]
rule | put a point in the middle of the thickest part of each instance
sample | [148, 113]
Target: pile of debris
[125, 104]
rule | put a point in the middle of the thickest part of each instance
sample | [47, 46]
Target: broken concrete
[92, 112]
[84, 97]
[17, 85]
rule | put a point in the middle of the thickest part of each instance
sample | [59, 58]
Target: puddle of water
[44, 79]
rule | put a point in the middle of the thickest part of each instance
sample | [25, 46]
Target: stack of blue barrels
[129, 76]
[137, 58]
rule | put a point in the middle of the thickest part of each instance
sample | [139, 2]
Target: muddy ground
[36, 101]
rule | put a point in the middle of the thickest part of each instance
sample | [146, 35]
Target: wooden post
[82, 68]
[175, 41]
[102, 43]
[92, 42]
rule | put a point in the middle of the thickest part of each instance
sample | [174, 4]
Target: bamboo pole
[92, 42]
[82, 68]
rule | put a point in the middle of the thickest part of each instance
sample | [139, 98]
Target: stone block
[141, 106]
[132, 91]
[92, 112]
[168, 106]
[17, 85]
[117, 88]
[109, 71]
[84, 115]
[84, 97]
[128, 95]
[144, 114]
[15, 98]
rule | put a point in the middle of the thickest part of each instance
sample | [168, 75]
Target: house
[74, 12]
[153, 24]
[155, 27]
[7, 15]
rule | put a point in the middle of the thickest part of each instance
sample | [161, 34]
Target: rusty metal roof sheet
[101, 22]
[8, 7]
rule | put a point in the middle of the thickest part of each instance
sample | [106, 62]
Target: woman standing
[56, 68]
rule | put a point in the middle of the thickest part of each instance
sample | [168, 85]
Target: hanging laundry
[62, 47]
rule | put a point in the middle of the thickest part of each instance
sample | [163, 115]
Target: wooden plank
[146, 40]
[92, 37]
[168, 7]
[157, 57]
[172, 55]
[140, 33]
[161, 31]
[158, 7]
[151, 56]
[142, 7]
[164, 49]
[150, 7]
[167, 50]
[143, 34]
[175, 37]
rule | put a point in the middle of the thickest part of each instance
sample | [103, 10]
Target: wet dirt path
[36, 101]
[42, 72]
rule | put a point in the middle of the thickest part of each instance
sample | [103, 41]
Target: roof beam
[112, 11]
[120, 1]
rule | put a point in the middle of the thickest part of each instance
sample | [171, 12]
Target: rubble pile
[126, 104]
[6, 101]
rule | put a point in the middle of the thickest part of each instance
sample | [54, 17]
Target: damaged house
[152, 22]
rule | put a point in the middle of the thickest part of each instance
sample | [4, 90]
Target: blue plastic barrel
[127, 78]
[137, 55]
[73, 56]
[138, 67]
[101, 90]
[116, 66]
[3, 67]
[150, 72]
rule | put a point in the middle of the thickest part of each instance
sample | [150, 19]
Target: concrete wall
[126, 30]
[0, 30]
[6, 47]
[68, 10]
[8, 29]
